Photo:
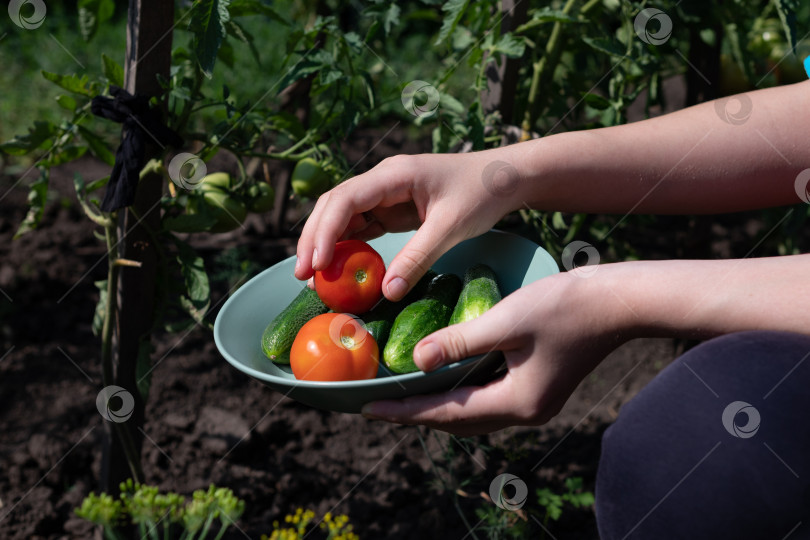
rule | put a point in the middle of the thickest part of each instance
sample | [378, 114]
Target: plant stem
[544, 69]
[107, 329]
[221, 531]
[111, 236]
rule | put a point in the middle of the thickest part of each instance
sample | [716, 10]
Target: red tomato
[334, 347]
[352, 283]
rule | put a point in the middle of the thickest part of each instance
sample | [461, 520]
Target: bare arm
[690, 161]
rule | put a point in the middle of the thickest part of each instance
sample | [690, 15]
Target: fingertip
[396, 288]
[427, 355]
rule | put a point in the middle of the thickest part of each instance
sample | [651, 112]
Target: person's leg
[716, 446]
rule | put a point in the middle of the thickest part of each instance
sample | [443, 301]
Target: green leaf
[551, 502]
[66, 155]
[101, 307]
[237, 31]
[97, 146]
[312, 63]
[208, 18]
[543, 16]
[92, 13]
[240, 8]
[354, 42]
[606, 45]
[198, 293]
[787, 14]
[97, 184]
[391, 17]
[66, 102]
[37, 197]
[39, 136]
[449, 103]
[112, 70]
[73, 83]
[509, 45]
[475, 120]
[596, 101]
[454, 10]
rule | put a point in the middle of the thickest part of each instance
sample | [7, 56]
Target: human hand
[552, 332]
[446, 197]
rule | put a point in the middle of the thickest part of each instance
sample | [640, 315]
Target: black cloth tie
[139, 122]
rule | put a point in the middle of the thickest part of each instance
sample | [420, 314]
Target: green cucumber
[379, 320]
[279, 335]
[420, 319]
[479, 294]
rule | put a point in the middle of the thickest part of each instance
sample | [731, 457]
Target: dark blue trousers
[716, 446]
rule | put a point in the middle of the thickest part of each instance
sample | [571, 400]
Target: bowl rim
[398, 379]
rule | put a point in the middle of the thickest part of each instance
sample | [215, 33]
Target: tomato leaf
[73, 83]
[37, 197]
[454, 10]
[606, 45]
[197, 296]
[237, 31]
[66, 155]
[112, 70]
[240, 8]
[391, 17]
[596, 101]
[39, 136]
[66, 102]
[208, 18]
[510, 46]
[92, 13]
[97, 146]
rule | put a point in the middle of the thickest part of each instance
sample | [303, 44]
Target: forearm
[690, 161]
[701, 299]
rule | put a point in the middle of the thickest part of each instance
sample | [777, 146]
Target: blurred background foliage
[580, 65]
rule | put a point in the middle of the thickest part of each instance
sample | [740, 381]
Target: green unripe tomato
[228, 210]
[309, 179]
[216, 181]
[261, 197]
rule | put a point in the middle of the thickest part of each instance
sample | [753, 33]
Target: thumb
[457, 342]
[415, 259]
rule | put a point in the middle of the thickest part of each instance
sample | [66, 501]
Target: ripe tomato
[352, 283]
[334, 347]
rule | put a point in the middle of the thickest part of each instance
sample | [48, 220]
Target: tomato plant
[334, 347]
[352, 283]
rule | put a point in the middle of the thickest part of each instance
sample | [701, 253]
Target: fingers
[463, 411]
[491, 331]
[341, 208]
[429, 243]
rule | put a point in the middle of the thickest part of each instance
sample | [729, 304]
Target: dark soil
[207, 422]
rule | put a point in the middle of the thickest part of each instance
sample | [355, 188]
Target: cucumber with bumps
[479, 294]
[379, 320]
[279, 335]
[418, 320]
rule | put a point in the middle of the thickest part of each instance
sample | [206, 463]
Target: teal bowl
[243, 318]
